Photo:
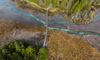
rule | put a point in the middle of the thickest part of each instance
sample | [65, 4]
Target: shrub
[42, 54]
[20, 50]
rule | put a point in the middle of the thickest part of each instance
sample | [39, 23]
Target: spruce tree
[47, 3]
[35, 1]
[62, 5]
[80, 6]
[58, 2]
[54, 3]
[68, 4]
[74, 6]
[87, 6]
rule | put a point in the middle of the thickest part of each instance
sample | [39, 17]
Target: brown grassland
[60, 46]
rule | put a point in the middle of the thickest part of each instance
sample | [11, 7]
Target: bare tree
[46, 27]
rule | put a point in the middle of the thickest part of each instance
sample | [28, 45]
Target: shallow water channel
[8, 13]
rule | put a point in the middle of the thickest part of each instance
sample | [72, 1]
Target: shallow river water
[8, 13]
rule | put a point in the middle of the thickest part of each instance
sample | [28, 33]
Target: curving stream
[9, 11]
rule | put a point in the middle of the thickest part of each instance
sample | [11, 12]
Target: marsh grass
[59, 44]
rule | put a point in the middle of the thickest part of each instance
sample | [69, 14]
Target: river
[8, 13]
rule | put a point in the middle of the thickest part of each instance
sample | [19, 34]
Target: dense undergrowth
[77, 11]
[21, 50]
